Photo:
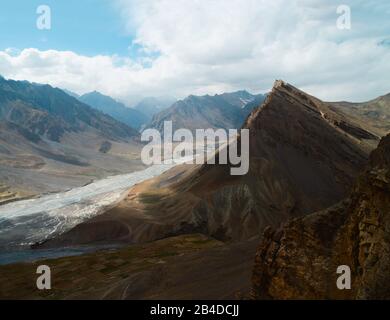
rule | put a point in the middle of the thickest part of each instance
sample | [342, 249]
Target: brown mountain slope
[304, 156]
[300, 260]
[375, 113]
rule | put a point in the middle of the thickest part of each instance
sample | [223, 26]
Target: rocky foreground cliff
[300, 260]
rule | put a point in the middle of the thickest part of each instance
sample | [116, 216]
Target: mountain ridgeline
[50, 141]
[375, 112]
[226, 111]
[304, 156]
[129, 116]
[152, 105]
[50, 112]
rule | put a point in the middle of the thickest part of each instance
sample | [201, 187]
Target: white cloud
[208, 46]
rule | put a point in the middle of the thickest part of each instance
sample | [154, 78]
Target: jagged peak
[283, 94]
[279, 83]
[287, 88]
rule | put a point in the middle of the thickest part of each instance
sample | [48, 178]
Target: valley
[180, 267]
[161, 232]
[202, 159]
[51, 142]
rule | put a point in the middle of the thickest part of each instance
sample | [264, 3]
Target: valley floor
[183, 267]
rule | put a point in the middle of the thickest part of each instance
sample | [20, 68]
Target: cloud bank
[202, 46]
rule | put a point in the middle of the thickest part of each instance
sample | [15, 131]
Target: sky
[130, 49]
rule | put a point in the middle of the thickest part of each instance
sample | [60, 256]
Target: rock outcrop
[300, 260]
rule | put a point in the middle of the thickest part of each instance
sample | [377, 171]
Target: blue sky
[134, 48]
[88, 27]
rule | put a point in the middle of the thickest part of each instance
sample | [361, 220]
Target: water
[25, 222]
[25, 255]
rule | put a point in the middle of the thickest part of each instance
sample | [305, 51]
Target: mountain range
[152, 105]
[226, 111]
[317, 190]
[50, 112]
[129, 116]
[304, 157]
[51, 141]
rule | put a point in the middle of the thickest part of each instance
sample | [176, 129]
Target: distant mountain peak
[96, 93]
[226, 111]
[51, 113]
[117, 110]
[71, 93]
[150, 106]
